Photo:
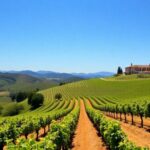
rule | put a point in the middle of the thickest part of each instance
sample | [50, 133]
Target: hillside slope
[19, 82]
[117, 91]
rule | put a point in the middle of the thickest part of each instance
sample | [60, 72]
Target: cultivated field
[90, 116]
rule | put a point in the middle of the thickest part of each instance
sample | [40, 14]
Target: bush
[1, 108]
[12, 96]
[21, 96]
[143, 75]
[35, 100]
[58, 96]
[12, 109]
[30, 95]
[62, 83]
[18, 97]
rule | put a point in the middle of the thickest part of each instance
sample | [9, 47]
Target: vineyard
[93, 114]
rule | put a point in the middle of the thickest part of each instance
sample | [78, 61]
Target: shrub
[1, 108]
[58, 96]
[36, 100]
[21, 96]
[12, 109]
[12, 96]
[18, 97]
[30, 95]
[62, 83]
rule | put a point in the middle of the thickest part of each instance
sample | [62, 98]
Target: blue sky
[74, 35]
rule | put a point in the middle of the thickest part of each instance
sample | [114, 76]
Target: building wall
[136, 70]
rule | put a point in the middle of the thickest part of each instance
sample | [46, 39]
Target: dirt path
[137, 121]
[86, 136]
[135, 134]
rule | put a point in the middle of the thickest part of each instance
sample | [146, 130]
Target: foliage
[58, 96]
[36, 100]
[58, 138]
[30, 95]
[1, 108]
[147, 110]
[12, 96]
[113, 96]
[12, 109]
[119, 71]
[20, 96]
[110, 130]
[62, 83]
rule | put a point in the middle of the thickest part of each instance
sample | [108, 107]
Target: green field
[120, 92]
[101, 91]
[129, 77]
[127, 91]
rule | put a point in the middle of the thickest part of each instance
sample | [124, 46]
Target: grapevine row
[111, 131]
[58, 138]
[130, 109]
[12, 129]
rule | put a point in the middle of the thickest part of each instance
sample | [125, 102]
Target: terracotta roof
[140, 66]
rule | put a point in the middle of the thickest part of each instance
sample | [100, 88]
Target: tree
[36, 100]
[12, 96]
[131, 110]
[147, 111]
[12, 109]
[48, 122]
[141, 112]
[30, 95]
[1, 108]
[27, 128]
[12, 132]
[119, 71]
[37, 128]
[62, 83]
[120, 111]
[58, 96]
[116, 111]
[21, 96]
[43, 124]
[124, 111]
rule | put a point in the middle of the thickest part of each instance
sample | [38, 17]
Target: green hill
[100, 92]
[122, 91]
[18, 82]
[108, 91]
[129, 77]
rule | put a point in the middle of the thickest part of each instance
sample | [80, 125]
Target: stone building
[137, 69]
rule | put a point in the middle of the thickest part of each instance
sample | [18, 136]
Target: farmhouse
[137, 69]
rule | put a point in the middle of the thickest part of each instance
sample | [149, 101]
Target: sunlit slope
[129, 77]
[120, 90]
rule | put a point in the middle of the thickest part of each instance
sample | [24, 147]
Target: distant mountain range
[93, 75]
[61, 76]
[28, 80]
[21, 82]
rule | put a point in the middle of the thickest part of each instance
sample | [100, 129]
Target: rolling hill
[92, 95]
[20, 82]
[120, 91]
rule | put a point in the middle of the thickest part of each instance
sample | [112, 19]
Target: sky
[74, 35]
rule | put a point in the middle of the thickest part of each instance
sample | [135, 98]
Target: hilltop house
[137, 69]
